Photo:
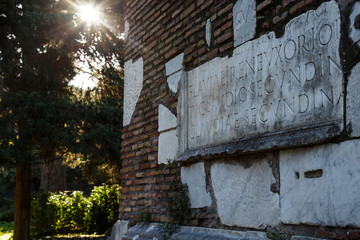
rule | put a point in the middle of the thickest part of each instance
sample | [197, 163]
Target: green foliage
[99, 134]
[7, 187]
[6, 227]
[145, 217]
[42, 45]
[71, 212]
[178, 202]
[178, 209]
[104, 207]
[43, 214]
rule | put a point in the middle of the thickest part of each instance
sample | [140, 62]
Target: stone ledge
[312, 134]
[75, 238]
[150, 232]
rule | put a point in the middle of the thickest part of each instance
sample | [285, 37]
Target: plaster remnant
[133, 84]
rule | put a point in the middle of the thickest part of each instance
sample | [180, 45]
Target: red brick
[188, 10]
[223, 37]
[322, 233]
[264, 4]
[227, 25]
[353, 235]
[286, 2]
[226, 9]
[297, 7]
[206, 4]
[226, 47]
[202, 50]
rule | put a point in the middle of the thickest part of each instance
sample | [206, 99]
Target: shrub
[71, 212]
[43, 214]
[71, 208]
[104, 207]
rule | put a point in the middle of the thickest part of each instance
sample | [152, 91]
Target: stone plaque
[272, 93]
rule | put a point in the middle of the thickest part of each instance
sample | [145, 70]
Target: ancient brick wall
[159, 31]
[168, 39]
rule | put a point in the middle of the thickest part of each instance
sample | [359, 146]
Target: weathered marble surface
[174, 71]
[167, 147]
[119, 229]
[244, 21]
[269, 86]
[174, 64]
[150, 232]
[126, 29]
[173, 81]
[355, 33]
[243, 194]
[320, 185]
[133, 83]
[353, 102]
[194, 177]
[167, 120]
[208, 32]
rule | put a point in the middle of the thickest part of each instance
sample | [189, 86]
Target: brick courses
[159, 31]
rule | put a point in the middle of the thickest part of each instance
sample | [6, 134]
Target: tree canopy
[43, 45]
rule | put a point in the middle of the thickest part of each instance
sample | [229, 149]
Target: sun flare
[89, 14]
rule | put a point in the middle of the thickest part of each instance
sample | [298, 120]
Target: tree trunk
[53, 176]
[22, 201]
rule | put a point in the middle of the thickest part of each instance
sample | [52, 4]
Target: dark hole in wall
[314, 173]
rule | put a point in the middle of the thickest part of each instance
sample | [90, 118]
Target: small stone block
[244, 21]
[194, 177]
[173, 81]
[208, 32]
[174, 65]
[168, 147]
[243, 194]
[167, 120]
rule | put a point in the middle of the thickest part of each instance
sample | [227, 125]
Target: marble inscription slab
[273, 92]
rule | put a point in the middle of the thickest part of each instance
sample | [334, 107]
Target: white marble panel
[320, 185]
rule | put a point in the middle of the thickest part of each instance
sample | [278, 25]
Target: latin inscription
[269, 84]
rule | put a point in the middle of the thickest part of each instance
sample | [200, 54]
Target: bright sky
[91, 15]
[84, 81]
